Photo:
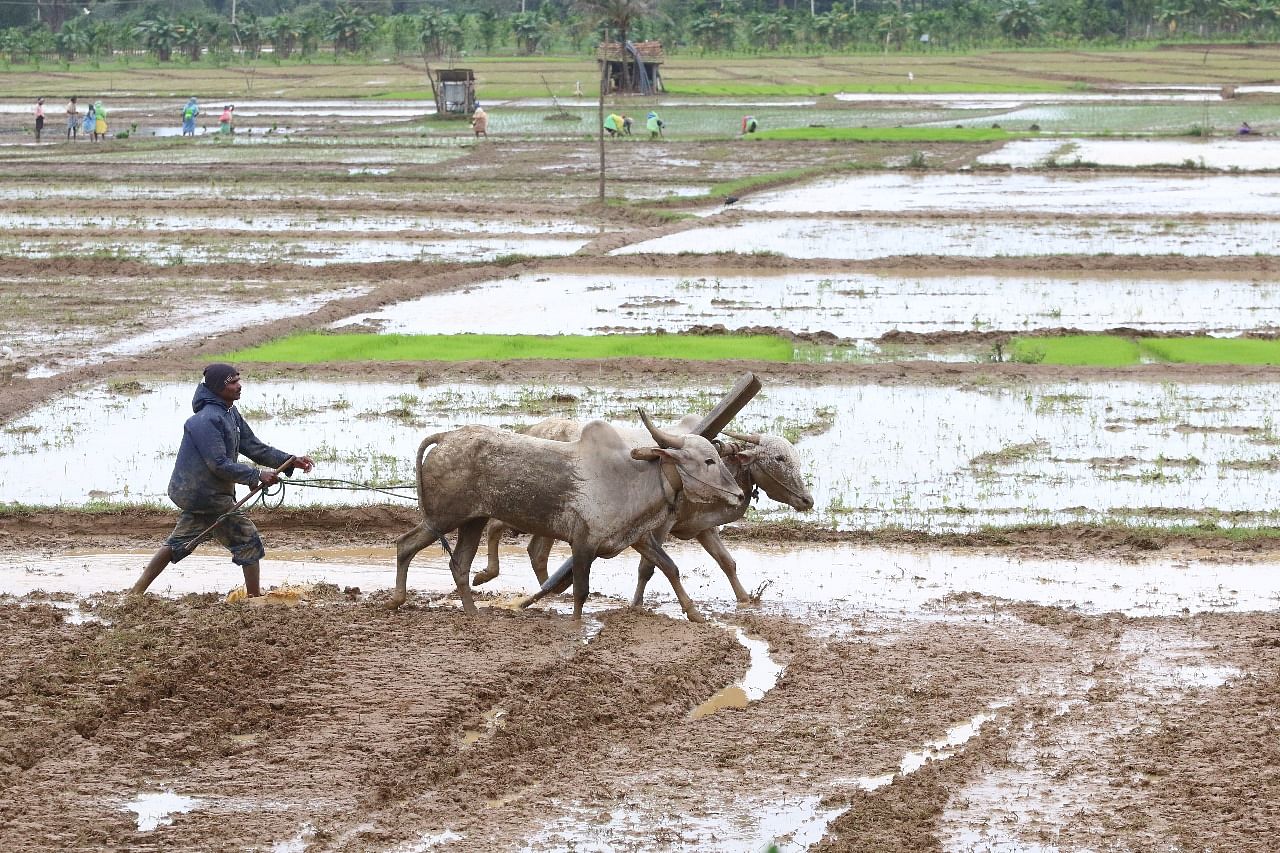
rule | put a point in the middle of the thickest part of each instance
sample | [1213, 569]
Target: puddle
[431, 841]
[994, 194]
[156, 809]
[995, 100]
[947, 458]
[304, 252]
[494, 719]
[1222, 154]
[865, 239]
[849, 306]
[761, 676]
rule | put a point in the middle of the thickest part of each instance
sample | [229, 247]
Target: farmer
[654, 125]
[1244, 129]
[204, 478]
[73, 119]
[225, 120]
[189, 113]
[612, 123]
[749, 125]
[626, 124]
[39, 117]
[480, 122]
[99, 121]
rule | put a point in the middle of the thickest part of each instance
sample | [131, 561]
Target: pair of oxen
[598, 487]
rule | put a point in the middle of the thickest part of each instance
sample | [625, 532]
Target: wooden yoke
[718, 418]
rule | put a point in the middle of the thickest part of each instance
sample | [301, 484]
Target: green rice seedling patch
[1199, 350]
[893, 134]
[1096, 350]
[312, 348]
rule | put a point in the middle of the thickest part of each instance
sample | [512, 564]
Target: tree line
[189, 30]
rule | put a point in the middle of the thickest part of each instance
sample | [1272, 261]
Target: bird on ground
[730, 199]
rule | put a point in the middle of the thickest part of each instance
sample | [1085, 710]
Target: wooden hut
[632, 69]
[455, 91]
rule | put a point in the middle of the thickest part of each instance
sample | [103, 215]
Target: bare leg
[162, 558]
[251, 573]
[711, 541]
[650, 549]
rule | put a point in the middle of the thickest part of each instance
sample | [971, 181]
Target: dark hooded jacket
[211, 441]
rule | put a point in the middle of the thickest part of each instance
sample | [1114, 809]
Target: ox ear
[648, 454]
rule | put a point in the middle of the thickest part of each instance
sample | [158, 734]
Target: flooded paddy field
[859, 306]
[1033, 608]
[933, 458]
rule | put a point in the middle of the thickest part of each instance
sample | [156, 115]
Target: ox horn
[664, 438]
[752, 438]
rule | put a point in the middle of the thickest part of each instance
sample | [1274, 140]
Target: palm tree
[618, 15]
[159, 35]
[284, 34]
[347, 27]
[74, 39]
[1019, 19]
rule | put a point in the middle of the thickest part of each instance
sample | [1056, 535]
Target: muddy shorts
[237, 531]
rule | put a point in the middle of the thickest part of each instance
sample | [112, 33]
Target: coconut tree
[1019, 19]
[74, 39]
[284, 34]
[618, 16]
[159, 35]
[347, 27]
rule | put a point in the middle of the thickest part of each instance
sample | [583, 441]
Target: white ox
[756, 460]
[600, 493]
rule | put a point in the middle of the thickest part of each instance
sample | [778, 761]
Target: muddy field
[1033, 608]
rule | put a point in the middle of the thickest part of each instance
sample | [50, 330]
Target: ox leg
[651, 549]
[469, 536]
[539, 551]
[407, 547]
[583, 557]
[710, 540]
[642, 581]
[493, 538]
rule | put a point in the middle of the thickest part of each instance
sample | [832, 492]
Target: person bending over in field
[204, 478]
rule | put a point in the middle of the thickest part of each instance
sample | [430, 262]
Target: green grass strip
[1097, 350]
[892, 134]
[313, 348]
[1212, 350]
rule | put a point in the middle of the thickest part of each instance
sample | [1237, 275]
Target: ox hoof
[483, 577]
[523, 603]
[695, 616]
[396, 601]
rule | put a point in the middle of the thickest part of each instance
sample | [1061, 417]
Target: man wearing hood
[205, 476]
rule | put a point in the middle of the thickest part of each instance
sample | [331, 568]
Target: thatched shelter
[455, 91]
[633, 69]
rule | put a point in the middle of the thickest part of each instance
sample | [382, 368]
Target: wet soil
[338, 725]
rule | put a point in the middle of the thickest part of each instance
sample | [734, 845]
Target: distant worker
[73, 119]
[89, 123]
[749, 124]
[612, 124]
[39, 117]
[189, 113]
[480, 122]
[227, 119]
[626, 124]
[1244, 130]
[99, 121]
[654, 125]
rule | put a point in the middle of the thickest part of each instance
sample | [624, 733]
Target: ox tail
[422, 452]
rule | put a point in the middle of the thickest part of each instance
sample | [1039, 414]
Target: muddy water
[854, 306]
[270, 223]
[1223, 154]
[994, 194]
[824, 585]
[301, 251]
[865, 239]
[944, 458]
